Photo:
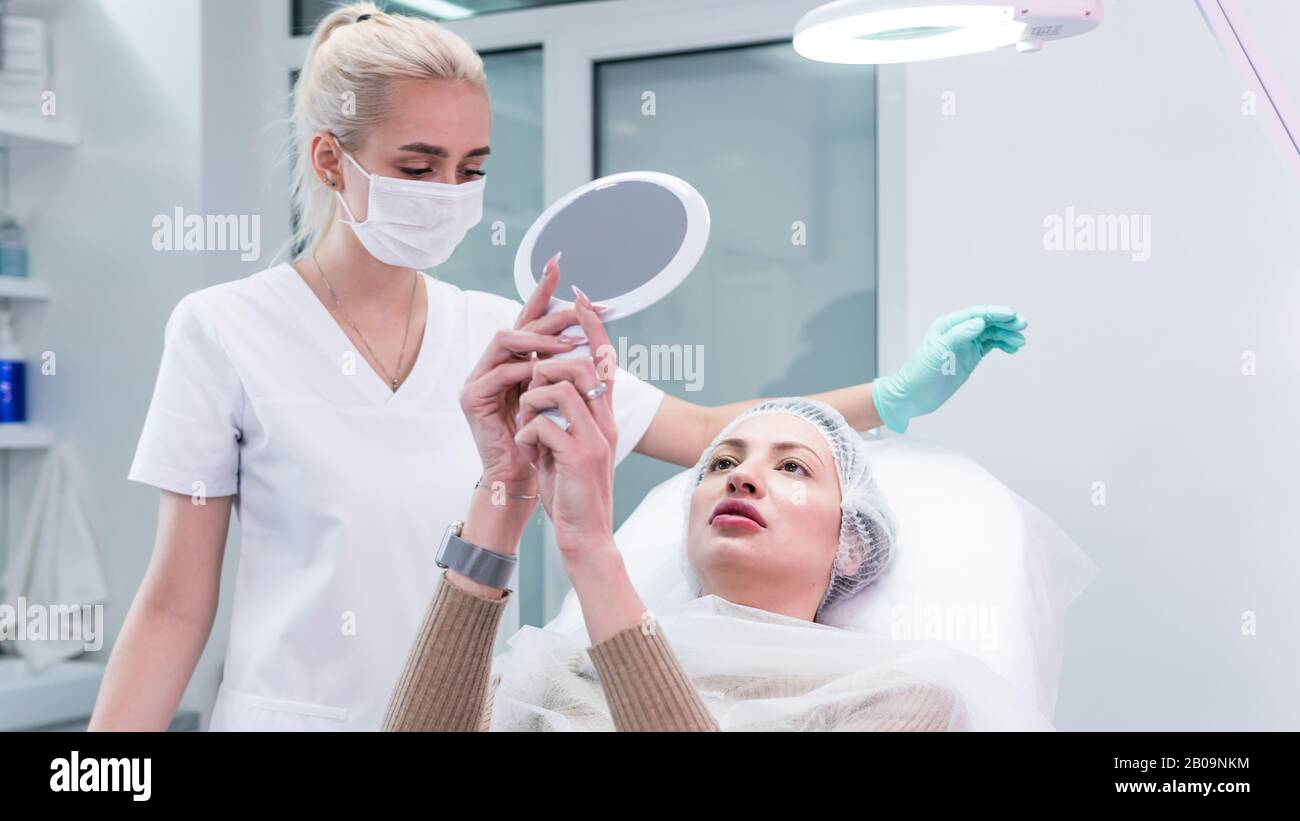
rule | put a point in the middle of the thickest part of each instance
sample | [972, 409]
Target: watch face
[453, 529]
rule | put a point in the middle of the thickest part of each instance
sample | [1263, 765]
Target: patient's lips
[738, 514]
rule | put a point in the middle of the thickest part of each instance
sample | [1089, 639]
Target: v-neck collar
[333, 341]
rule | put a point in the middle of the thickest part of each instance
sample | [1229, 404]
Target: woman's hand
[949, 353]
[575, 467]
[575, 473]
[490, 397]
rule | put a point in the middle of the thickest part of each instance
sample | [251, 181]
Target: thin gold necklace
[410, 310]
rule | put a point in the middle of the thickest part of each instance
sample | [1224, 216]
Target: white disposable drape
[761, 671]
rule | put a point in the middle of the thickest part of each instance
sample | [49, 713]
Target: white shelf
[64, 691]
[23, 288]
[28, 131]
[24, 436]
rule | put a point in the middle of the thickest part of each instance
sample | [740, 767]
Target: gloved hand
[949, 353]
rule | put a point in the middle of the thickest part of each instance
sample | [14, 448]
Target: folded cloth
[54, 576]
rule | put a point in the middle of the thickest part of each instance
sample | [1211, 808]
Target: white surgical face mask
[414, 223]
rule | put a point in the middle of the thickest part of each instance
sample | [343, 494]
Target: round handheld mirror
[627, 241]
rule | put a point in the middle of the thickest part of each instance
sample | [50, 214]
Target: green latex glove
[949, 353]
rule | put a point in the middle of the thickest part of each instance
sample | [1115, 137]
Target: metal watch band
[483, 566]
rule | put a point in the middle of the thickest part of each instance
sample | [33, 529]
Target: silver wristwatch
[474, 562]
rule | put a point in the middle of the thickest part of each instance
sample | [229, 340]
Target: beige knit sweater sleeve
[444, 684]
[645, 685]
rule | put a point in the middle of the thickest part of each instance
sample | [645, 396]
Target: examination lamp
[904, 31]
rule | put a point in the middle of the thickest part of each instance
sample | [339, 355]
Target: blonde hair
[342, 89]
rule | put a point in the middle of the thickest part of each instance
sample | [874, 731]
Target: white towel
[54, 565]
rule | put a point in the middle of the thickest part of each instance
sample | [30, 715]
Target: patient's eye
[718, 463]
[788, 463]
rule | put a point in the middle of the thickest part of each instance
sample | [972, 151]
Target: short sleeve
[635, 404]
[193, 428]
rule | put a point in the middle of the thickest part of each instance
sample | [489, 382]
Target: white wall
[151, 84]
[1133, 371]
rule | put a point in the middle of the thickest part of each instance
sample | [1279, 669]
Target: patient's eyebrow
[439, 151]
[741, 444]
[779, 446]
[735, 443]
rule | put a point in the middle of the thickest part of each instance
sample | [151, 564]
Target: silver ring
[596, 392]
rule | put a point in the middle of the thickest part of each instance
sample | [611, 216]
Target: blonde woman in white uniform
[347, 405]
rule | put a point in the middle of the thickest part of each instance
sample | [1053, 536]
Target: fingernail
[575, 340]
[580, 295]
[600, 309]
[553, 260]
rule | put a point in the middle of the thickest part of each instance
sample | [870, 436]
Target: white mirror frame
[660, 285]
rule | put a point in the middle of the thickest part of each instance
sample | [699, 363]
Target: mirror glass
[614, 238]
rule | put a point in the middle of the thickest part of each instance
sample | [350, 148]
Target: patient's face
[765, 520]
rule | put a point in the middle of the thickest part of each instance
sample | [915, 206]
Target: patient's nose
[741, 480]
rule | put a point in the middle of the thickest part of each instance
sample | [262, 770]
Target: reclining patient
[784, 520]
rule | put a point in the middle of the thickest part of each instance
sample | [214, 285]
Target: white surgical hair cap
[867, 525]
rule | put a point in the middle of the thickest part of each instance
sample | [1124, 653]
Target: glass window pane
[784, 300]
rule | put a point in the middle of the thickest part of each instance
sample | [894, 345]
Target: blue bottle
[13, 374]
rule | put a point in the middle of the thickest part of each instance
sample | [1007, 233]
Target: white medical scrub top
[343, 487]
